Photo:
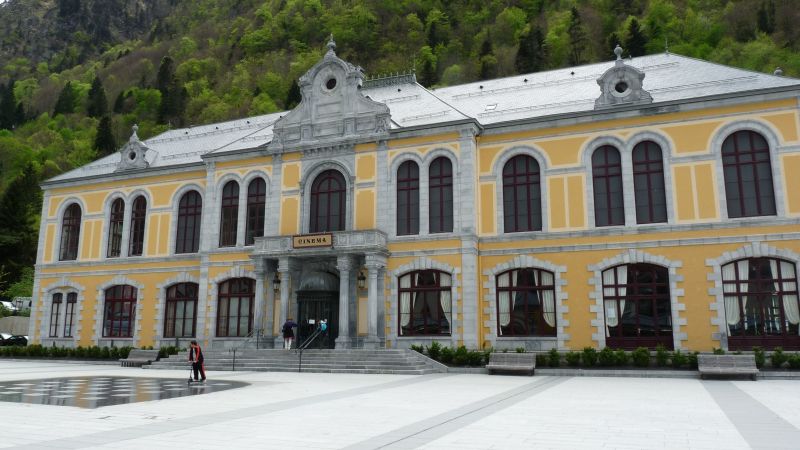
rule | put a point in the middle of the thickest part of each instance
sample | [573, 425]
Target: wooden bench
[727, 365]
[512, 362]
[138, 358]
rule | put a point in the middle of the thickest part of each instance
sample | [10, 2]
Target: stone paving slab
[443, 411]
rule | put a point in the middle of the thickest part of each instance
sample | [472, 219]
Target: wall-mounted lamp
[362, 280]
[276, 283]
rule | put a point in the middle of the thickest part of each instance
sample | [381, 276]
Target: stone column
[269, 313]
[344, 263]
[284, 269]
[260, 296]
[374, 265]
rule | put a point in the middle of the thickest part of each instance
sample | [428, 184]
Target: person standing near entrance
[288, 333]
[196, 358]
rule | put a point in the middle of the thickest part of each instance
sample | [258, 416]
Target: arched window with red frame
[55, 313]
[229, 214]
[425, 303]
[408, 198]
[180, 315]
[440, 198]
[328, 202]
[120, 311]
[526, 303]
[70, 233]
[748, 175]
[648, 183]
[190, 210]
[235, 307]
[522, 195]
[256, 204]
[609, 203]
[138, 218]
[69, 314]
[115, 221]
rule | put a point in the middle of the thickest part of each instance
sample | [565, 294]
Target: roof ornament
[132, 154]
[134, 136]
[618, 52]
[331, 46]
[778, 72]
[621, 84]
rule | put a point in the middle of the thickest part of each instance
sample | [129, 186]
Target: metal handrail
[300, 348]
[257, 333]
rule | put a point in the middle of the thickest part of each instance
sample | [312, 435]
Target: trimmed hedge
[79, 352]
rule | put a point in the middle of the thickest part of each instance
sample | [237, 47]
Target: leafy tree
[97, 105]
[766, 16]
[532, 54]
[488, 63]
[119, 103]
[104, 142]
[293, 98]
[173, 96]
[23, 287]
[11, 112]
[577, 38]
[636, 41]
[20, 206]
[66, 100]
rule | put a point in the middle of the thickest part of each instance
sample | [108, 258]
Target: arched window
[120, 311]
[180, 316]
[425, 303]
[609, 204]
[440, 200]
[748, 175]
[229, 214]
[637, 306]
[190, 209]
[69, 314]
[522, 195]
[256, 202]
[648, 183]
[138, 217]
[235, 307]
[761, 305]
[526, 303]
[408, 198]
[328, 202]
[70, 233]
[115, 222]
[55, 311]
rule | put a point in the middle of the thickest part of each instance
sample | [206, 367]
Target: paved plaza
[444, 411]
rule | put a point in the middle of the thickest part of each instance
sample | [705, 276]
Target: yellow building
[623, 204]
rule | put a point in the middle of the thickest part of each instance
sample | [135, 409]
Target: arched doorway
[317, 300]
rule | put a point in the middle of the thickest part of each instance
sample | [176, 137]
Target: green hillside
[75, 75]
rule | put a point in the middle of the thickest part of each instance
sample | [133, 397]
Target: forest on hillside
[75, 75]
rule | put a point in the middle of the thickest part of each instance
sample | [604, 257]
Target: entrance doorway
[315, 306]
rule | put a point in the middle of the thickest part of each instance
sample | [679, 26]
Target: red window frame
[609, 198]
[256, 207]
[440, 199]
[522, 195]
[408, 198]
[116, 220]
[70, 233]
[69, 313]
[748, 175]
[138, 218]
[527, 302]
[229, 214]
[426, 316]
[328, 189]
[180, 298]
[120, 311]
[55, 312]
[190, 209]
[230, 323]
[648, 183]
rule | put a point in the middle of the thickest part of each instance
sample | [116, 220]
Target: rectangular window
[55, 311]
[69, 313]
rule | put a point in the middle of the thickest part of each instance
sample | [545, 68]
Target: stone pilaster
[374, 264]
[344, 264]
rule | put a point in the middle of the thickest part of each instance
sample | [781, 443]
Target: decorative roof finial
[135, 128]
[778, 72]
[618, 52]
[331, 44]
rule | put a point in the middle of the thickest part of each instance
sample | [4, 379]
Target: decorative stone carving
[333, 112]
[133, 153]
[621, 85]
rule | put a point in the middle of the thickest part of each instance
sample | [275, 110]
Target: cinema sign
[312, 240]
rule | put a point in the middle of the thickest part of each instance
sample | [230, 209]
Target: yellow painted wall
[365, 168]
[365, 209]
[290, 215]
[791, 167]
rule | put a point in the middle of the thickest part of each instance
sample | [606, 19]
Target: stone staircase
[386, 361]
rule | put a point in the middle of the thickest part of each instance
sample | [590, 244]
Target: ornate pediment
[621, 85]
[133, 153]
[332, 111]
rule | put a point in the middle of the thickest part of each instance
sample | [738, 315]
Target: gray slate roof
[668, 77]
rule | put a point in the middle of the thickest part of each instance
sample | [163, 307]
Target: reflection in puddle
[105, 391]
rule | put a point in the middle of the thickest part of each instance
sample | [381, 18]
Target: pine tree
[173, 96]
[766, 16]
[97, 104]
[119, 103]
[104, 142]
[20, 207]
[293, 98]
[66, 100]
[577, 38]
[532, 54]
[636, 42]
[8, 106]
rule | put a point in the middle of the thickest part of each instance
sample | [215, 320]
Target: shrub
[541, 360]
[621, 358]
[778, 358]
[105, 353]
[113, 353]
[794, 361]
[641, 357]
[461, 356]
[416, 348]
[573, 359]
[589, 357]
[520, 349]
[445, 355]
[434, 350]
[553, 358]
[760, 356]
[679, 359]
[692, 358]
[476, 358]
[662, 356]
[124, 351]
[606, 357]
[487, 354]
[717, 351]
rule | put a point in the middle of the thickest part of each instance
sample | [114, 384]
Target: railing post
[233, 363]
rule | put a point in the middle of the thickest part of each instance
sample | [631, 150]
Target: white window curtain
[790, 305]
[732, 312]
[503, 302]
[548, 299]
[612, 317]
[405, 301]
[445, 297]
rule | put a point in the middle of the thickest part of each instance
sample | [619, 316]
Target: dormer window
[621, 85]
